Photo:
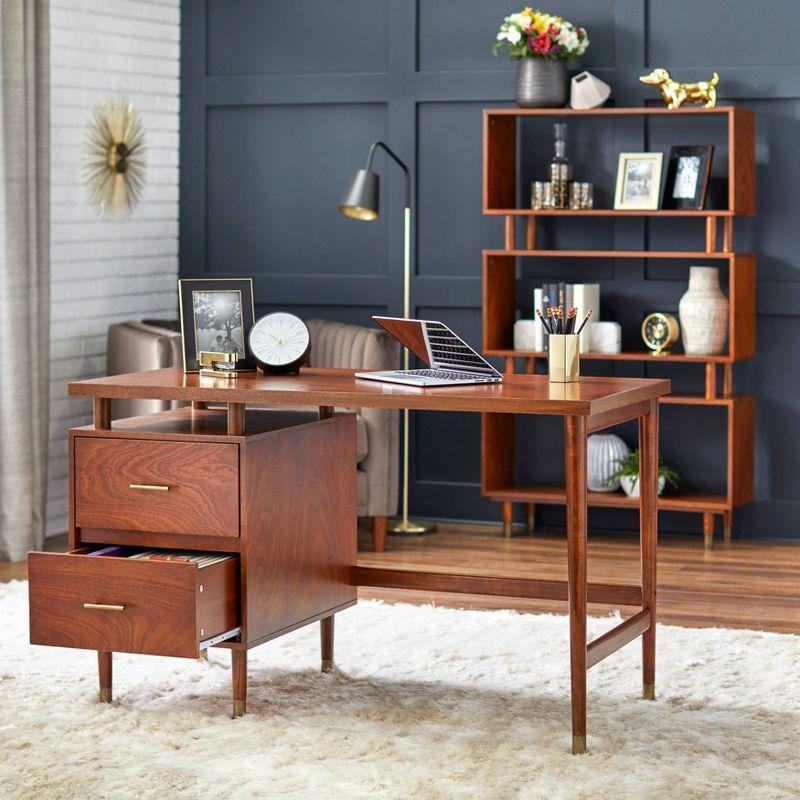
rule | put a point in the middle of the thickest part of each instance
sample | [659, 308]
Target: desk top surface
[518, 394]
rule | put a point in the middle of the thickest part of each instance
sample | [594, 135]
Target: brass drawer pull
[150, 487]
[103, 607]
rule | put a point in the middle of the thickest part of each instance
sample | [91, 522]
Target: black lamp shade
[360, 201]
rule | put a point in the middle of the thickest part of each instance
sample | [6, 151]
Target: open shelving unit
[500, 176]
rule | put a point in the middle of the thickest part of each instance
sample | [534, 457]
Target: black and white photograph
[688, 171]
[638, 181]
[218, 322]
[216, 317]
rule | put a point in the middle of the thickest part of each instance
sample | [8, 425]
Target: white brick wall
[103, 272]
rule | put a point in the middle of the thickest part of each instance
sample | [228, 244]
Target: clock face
[279, 339]
[656, 330]
[659, 331]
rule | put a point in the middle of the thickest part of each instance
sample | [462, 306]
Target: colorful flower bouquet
[534, 34]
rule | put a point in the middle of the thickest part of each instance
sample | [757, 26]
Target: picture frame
[216, 315]
[638, 182]
[688, 171]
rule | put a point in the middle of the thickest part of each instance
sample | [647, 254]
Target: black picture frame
[688, 172]
[197, 299]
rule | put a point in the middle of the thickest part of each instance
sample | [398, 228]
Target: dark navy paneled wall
[280, 101]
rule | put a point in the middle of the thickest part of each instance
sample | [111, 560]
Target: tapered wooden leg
[326, 642]
[379, 534]
[575, 462]
[104, 672]
[708, 532]
[531, 517]
[727, 526]
[239, 679]
[648, 534]
[508, 517]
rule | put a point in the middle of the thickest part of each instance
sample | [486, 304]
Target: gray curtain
[24, 273]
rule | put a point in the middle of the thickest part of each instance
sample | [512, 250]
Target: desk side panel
[299, 529]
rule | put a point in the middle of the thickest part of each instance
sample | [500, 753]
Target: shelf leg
[727, 380]
[708, 532]
[509, 232]
[727, 526]
[199, 405]
[104, 672]
[508, 365]
[711, 234]
[575, 459]
[530, 366]
[727, 234]
[239, 678]
[326, 642]
[711, 380]
[648, 541]
[530, 233]
[531, 517]
[508, 518]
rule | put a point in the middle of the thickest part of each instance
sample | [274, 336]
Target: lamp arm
[373, 147]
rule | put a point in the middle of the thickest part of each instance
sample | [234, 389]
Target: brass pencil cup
[563, 359]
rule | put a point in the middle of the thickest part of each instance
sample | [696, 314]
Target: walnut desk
[274, 489]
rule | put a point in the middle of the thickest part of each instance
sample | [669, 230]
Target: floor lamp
[361, 201]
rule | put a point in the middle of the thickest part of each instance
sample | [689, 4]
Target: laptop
[451, 361]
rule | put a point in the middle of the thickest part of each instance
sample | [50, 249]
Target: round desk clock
[280, 343]
[660, 331]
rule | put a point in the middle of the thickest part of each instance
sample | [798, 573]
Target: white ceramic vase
[605, 449]
[631, 487]
[704, 313]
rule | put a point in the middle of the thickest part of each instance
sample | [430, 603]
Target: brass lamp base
[409, 527]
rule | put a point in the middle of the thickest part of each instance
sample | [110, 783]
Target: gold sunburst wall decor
[114, 157]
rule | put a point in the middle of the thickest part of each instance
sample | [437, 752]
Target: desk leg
[326, 642]
[575, 462]
[104, 672]
[239, 678]
[648, 533]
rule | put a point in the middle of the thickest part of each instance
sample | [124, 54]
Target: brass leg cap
[239, 708]
[507, 530]
[649, 691]
[578, 744]
[328, 665]
[104, 695]
[726, 534]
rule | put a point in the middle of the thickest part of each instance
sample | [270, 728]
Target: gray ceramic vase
[541, 83]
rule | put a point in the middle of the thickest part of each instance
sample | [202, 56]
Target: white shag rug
[428, 703]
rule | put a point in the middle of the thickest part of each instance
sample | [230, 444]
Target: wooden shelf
[630, 355]
[656, 254]
[554, 495]
[609, 212]
[610, 111]
[502, 133]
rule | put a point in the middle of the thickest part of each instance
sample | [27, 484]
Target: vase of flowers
[543, 46]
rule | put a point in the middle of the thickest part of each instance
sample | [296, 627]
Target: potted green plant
[628, 474]
[542, 44]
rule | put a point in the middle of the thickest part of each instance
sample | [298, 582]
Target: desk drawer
[159, 487]
[125, 605]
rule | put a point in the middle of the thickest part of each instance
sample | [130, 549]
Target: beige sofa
[138, 346]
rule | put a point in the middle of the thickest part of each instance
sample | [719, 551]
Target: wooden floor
[741, 585]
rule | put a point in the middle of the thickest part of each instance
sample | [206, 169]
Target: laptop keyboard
[446, 375]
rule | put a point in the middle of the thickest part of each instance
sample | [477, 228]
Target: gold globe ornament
[114, 157]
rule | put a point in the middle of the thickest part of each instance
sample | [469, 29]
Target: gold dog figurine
[675, 94]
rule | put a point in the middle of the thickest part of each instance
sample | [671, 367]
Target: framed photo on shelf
[638, 181]
[216, 315]
[687, 176]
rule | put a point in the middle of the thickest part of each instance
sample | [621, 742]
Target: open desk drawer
[164, 608]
